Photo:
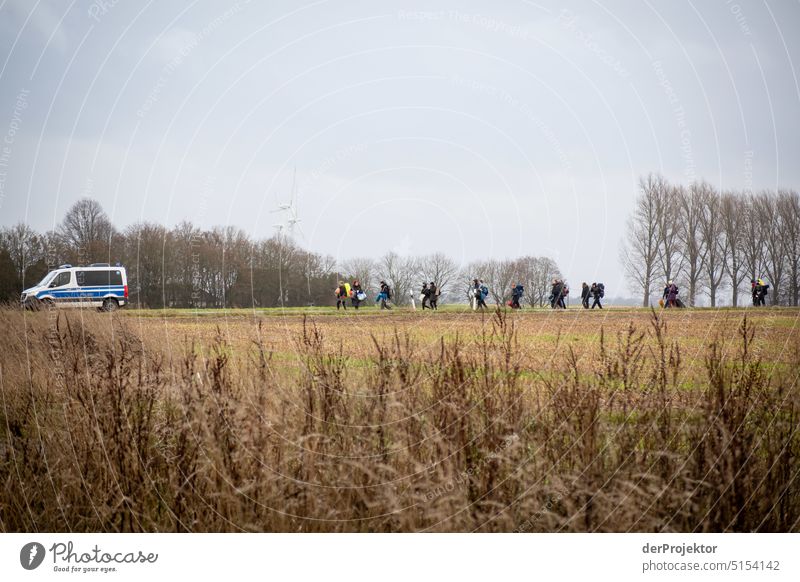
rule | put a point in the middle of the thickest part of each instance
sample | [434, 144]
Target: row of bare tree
[708, 241]
[223, 267]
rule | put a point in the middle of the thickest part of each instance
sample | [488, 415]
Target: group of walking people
[429, 296]
[669, 298]
[346, 291]
[596, 292]
[479, 292]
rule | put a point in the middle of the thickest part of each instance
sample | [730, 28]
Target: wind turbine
[290, 208]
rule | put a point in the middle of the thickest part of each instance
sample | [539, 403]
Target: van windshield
[47, 279]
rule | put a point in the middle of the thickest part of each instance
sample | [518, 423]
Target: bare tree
[752, 243]
[733, 218]
[537, 274]
[496, 275]
[147, 256]
[770, 226]
[400, 273]
[362, 269]
[714, 242]
[639, 254]
[670, 259]
[691, 205]
[439, 268]
[87, 231]
[789, 210]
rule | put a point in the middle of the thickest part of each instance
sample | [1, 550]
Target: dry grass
[509, 423]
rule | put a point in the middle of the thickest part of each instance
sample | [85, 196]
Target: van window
[61, 279]
[99, 278]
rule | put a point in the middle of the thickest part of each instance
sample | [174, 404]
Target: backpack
[484, 290]
[602, 289]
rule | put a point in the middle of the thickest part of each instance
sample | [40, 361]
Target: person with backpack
[585, 294]
[483, 295]
[341, 296]
[384, 295]
[433, 296]
[357, 294]
[597, 293]
[516, 294]
[424, 296]
[671, 294]
[555, 293]
[763, 289]
[479, 293]
[563, 296]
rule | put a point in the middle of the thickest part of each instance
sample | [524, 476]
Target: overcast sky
[479, 129]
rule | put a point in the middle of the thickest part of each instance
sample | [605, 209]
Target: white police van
[98, 285]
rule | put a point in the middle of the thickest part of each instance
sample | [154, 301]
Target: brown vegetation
[101, 429]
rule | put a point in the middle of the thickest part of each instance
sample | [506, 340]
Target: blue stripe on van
[116, 291]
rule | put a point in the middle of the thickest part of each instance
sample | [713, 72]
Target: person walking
[555, 294]
[479, 293]
[483, 295]
[564, 294]
[475, 293]
[586, 292]
[384, 295]
[672, 294]
[341, 296]
[596, 295]
[357, 294]
[433, 296]
[763, 289]
[424, 296]
[516, 294]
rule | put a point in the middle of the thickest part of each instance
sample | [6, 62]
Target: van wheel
[45, 305]
[110, 304]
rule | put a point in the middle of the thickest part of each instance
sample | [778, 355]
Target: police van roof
[92, 266]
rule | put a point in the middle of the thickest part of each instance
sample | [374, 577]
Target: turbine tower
[289, 209]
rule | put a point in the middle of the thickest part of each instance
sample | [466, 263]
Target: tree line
[186, 266]
[709, 241]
